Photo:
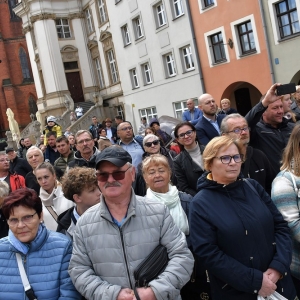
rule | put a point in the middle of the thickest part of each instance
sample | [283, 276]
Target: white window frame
[138, 28]
[203, 8]
[183, 107]
[99, 72]
[187, 58]
[89, 20]
[235, 35]
[126, 35]
[148, 112]
[112, 66]
[102, 11]
[146, 71]
[63, 27]
[209, 50]
[160, 22]
[177, 5]
[169, 61]
[134, 78]
[273, 16]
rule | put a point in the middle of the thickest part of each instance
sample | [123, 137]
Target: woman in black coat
[188, 165]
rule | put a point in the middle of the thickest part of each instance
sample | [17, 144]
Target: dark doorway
[243, 101]
[74, 86]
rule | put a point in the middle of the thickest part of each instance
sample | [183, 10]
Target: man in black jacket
[94, 129]
[16, 164]
[256, 164]
[270, 131]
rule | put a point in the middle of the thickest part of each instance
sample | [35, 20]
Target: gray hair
[224, 126]
[34, 148]
[148, 137]
[4, 189]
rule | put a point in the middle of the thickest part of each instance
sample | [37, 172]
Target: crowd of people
[81, 212]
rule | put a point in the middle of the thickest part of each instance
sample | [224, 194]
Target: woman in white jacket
[53, 199]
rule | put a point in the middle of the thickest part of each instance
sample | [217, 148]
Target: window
[177, 8]
[146, 71]
[187, 58]
[218, 47]
[180, 107]
[99, 72]
[24, 64]
[287, 18]
[149, 113]
[102, 11]
[11, 5]
[134, 79]
[112, 66]
[89, 21]
[170, 65]
[160, 16]
[125, 34]
[246, 37]
[120, 111]
[138, 28]
[207, 3]
[63, 28]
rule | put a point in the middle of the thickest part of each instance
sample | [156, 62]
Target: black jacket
[140, 188]
[64, 220]
[81, 162]
[94, 130]
[258, 167]
[187, 172]
[20, 166]
[266, 138]
[3, 226]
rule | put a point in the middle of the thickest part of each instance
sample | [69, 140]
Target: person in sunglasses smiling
[113, 237]
[236, 230]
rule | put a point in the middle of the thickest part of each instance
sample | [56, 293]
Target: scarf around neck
[172, 201]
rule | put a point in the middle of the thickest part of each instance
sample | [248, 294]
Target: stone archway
[296, 78]
[243, 96]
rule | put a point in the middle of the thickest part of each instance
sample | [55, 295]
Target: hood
[78, 156]
[204, 182]
[153, 120]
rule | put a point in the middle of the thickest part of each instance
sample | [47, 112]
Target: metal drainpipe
[195, 46]
[262, 13]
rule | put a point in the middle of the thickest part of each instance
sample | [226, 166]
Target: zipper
[122, 240]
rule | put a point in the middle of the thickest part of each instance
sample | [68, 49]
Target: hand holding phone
[285, 89]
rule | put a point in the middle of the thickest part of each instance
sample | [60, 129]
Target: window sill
[63, 39]
[178, 17]
[103, 23]
[219, 62]
[125, 46]
[208, 7]
[158, 29]
[117, 1]
[170, 76]
[289, 37]
[248, 53]
[135, 88]
[142, 38]
[188, 70]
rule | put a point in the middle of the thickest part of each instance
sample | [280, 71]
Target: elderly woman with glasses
[44, 254]
[152, 145]
[188, 165]
[237, 232]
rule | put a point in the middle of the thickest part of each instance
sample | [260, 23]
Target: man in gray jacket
[112, 238]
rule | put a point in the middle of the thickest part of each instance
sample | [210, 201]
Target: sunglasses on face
[155, 143]
[118, 175]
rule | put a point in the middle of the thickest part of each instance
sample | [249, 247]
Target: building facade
[157, 58]
[234, 55]
[283, 29]
[17, 90]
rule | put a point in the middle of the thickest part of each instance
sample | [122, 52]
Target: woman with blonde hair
[225, 107]
[285, 194]
[237, 232]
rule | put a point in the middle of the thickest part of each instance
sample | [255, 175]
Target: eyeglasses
[239, 130]
[118, 175]
[226, 159]
[126, 128]
[155, 143]
[84, 141]
[188, 133]
[25, 220]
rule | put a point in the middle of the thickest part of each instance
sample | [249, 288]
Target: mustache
[115, 183]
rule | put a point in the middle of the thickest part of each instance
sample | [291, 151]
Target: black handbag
[150, 268]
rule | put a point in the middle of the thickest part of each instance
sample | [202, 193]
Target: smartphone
[284, 89]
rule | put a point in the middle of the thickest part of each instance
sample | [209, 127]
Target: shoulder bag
[27, 287]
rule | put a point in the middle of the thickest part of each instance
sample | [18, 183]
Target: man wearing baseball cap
[113, 237]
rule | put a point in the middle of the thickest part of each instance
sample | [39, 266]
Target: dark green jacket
[62, 164]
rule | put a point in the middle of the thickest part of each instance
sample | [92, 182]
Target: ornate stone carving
[42, 16]
[78, 15]
[26, 29]
[69, 53]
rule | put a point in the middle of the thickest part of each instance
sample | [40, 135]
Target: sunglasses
[155, 143]
[118, 175]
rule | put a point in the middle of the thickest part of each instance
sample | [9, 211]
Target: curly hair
[77, 180]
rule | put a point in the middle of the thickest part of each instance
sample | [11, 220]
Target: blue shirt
[192, 116]
[213, 123]
[135, 151]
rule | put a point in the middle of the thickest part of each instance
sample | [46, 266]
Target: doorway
[74, 86]
[242, 100]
